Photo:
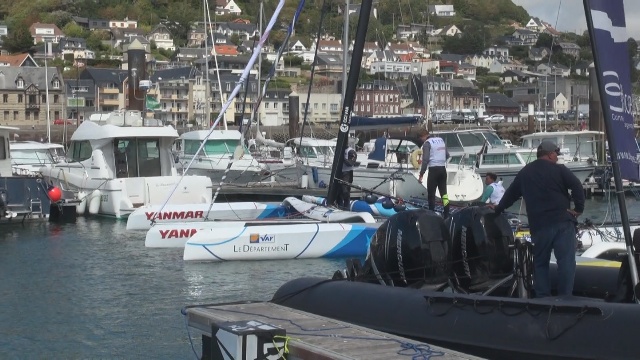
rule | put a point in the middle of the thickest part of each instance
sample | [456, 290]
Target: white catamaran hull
[280, 242]
[175, 235]
[141, 219]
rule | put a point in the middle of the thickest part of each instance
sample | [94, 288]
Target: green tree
[19, 39]
[482, 71]
[519, 52]
[74, 30]
[633, 48]
[545, 40]
[583, 40]
[235, 39]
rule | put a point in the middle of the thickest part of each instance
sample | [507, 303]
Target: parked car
[571, 115]
[495, 118]
[61, 122]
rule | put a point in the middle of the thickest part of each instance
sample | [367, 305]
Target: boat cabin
[27, 157]
[314, 149]
[220, 143]
[5, 153]
[470, 141]
[117, 147]
[574, 145]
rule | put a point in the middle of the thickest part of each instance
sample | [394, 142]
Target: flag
[152, 103]
[607, 29]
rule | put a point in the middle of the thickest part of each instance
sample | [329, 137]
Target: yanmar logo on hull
[177, 233]
[175, 215]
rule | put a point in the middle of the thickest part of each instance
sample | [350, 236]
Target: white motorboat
[22, 195]
[216, 155]
[482, 148]
[28, 157]
[120, 162]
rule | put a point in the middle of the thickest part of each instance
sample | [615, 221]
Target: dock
[312, 337]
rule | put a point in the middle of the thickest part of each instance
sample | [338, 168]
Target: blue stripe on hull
[355, 243]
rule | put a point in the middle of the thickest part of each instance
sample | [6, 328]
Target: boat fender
[416, 158]
[314, 174]
[94, 202]
[82, 205]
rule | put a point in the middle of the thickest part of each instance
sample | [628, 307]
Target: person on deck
[350, 162]
[434, 157]
[494, 191]
[544, 185]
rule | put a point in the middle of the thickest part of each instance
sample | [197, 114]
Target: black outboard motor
[410, 249]
[480, 248]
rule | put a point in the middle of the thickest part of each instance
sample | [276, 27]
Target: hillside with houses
[436, 59]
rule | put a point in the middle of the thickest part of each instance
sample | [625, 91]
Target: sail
[607, 27]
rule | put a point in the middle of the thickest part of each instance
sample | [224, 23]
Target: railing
[32, 106]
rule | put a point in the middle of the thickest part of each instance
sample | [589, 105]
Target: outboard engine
[410, 249]
[480, 248]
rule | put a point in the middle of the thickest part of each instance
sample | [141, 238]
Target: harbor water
[92, 290]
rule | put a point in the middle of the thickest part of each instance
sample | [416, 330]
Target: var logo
[266, 238]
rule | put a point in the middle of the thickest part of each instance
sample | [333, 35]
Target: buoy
[54, 194]
[416, 158]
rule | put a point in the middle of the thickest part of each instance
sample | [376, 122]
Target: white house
[535, 25]
[553, 69]
[45, 33]
[297, 47]
[442, 10]
[328, 46]
[557, 102]
[123, 24]
[484, 61]
[3, 30]
[162, 38]
[499, 51]
[323, 107]
[224, 7]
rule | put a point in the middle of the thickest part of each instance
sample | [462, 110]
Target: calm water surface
[92, 290]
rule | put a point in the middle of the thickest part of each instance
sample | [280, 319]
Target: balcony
[110, 90]
[32, 106]
[109, 102]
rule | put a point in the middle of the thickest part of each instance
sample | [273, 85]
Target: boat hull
[485, 326]
[280, 242]
[142, 218]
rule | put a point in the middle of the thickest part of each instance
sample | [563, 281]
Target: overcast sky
[571, 17]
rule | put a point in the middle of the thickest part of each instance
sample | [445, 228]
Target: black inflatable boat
[463, 283]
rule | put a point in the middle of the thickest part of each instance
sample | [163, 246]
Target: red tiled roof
[230, 50]
[13, 60]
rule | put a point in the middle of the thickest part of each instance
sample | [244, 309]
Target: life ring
[416, 158]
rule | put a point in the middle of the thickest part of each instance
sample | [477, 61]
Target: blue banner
[607, 28]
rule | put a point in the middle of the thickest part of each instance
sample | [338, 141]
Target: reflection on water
[92, 290]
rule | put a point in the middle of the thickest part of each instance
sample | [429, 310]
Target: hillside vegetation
[494, 16]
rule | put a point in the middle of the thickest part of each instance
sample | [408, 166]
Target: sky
[571, 17]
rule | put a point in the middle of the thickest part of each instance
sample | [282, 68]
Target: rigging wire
[325, 10]
[225, 106]
[256, 106]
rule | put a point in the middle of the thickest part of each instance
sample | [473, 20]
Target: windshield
[31, 157]
[492, 138]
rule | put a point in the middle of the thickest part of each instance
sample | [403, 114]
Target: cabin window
[307, 152]
[80, 150]
[3, 148]
[212, 147]
[137, 157]
[451, 140]
[500, 159]
[469, 139]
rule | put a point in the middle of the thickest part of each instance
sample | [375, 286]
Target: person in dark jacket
[350, 162]
[544, 185]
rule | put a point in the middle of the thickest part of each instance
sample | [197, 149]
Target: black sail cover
[411, 247]
[480, 246]
[417, 247]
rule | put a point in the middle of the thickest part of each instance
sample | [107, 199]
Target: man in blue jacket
[544, 185]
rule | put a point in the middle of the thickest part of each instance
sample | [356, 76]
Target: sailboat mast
[345, 48]
[348, 97]
[259, 70]
[600, 67]
[207, 89]
[46, 87]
